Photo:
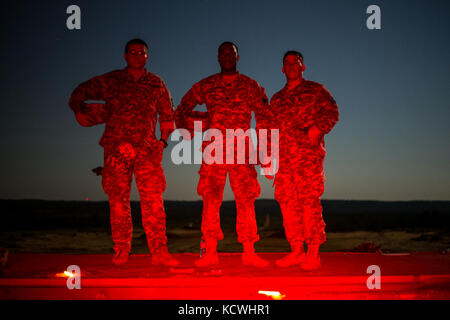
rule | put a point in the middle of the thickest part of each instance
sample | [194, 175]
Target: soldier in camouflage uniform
[230, 98]
[303, 111]
[133, 99]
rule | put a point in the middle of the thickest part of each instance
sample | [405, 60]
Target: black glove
[165, 142]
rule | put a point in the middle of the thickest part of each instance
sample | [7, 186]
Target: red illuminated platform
[342, 276]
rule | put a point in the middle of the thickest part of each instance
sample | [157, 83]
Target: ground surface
[342, 276]
[184, 240]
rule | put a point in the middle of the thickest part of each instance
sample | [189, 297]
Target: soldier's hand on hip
[164, 143]
[268, 172]
[314, 135]
[83, 119]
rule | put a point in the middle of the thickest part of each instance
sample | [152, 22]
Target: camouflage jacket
[229, 105]
[294, 111]
[131, 107]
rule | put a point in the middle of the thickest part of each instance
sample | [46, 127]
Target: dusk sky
[392, 87]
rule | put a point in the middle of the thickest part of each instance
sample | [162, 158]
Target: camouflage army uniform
[299, 182]
[130, 146]
[229, 106]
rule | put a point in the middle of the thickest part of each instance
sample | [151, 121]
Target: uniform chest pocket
[146, 97]
[243, 95]
[215, 95]
[307, 99]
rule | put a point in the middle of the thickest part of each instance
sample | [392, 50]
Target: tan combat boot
[121, 257]
[164, 258]
[296, 257]
[250, 258]
[211, 258]
[312, 261]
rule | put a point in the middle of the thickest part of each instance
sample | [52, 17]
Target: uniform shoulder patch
[114, 73]
[154, 80]
[276, 95]
[248, 82]
[209, 79]
[332, 100]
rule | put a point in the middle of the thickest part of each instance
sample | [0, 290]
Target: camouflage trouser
[246, 189]
[298, 192]
[145, 162]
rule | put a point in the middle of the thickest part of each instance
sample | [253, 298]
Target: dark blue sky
[392, 86]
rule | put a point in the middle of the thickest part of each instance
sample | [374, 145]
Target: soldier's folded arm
[272, 117]
[90, 114]
[263, 122]
[185, 114]
[327, 115]
[166, 113]
[261, 109]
